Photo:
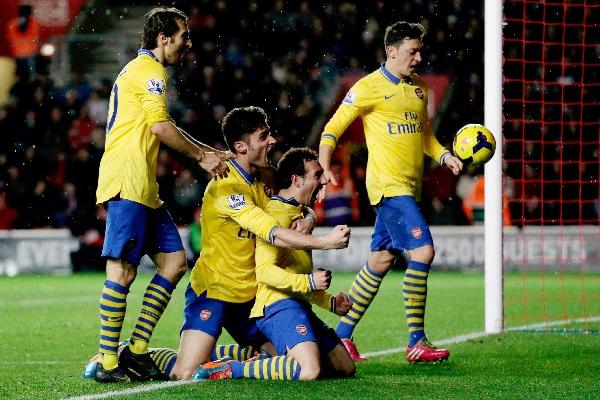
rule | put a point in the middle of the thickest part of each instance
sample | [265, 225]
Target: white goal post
[493, 169]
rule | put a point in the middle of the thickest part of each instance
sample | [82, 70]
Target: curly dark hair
[292, 163]
[402, 30]
[161, 20]
[240, 122]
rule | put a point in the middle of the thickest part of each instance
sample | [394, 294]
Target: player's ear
[240, 147]
[391, 51]
[296, 180]
[162, 38]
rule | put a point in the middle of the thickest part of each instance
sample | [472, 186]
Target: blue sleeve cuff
[329, 136]
[272, 235]
[443, 157]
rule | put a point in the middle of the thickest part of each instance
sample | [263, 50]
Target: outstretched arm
[212, 161]
[337, 238]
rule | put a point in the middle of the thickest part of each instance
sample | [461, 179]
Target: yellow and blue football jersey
[137, 101]
[232, 217]
[284, 273]
[396, 125]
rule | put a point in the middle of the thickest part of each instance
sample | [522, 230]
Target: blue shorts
[290, 321]
[132, 230]
[211, 316]
[399, 225]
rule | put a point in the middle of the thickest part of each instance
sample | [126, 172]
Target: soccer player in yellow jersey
[138, 222]
[286, 289]
[392, 102]
[223, 282]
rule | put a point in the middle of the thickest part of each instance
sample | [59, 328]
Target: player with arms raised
[392, 102]
[137, 221]
[223, 282]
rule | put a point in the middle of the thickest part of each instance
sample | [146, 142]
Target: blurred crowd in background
[285, 56]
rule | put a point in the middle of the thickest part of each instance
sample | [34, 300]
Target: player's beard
[181, 56]
[264, 159]
[178, 56]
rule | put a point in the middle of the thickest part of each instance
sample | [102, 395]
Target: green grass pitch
[49, 328]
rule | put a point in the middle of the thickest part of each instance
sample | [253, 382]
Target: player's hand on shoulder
[454, 164]
[214, 162]
[342, 304]
[225, 155]
[321, 279]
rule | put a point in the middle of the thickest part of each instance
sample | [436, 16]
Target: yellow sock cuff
[138, 346]
[110, 361]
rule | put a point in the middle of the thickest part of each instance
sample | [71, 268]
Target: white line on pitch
[33, 362]
[456, 339]
[477, 335]
[138, 389]
[153, 386]
[554, 323]
[453, 340]
[47, 300]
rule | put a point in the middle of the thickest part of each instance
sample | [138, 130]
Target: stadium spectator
[195, 236]
[80, 132]
[340, 204]
[440, 203]
[137, 220]
[187, 194]
[392, 102]
[8, 215]
[307, 71]
[97, 108]
[23, 36]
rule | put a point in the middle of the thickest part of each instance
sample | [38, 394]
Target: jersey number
[113, 116]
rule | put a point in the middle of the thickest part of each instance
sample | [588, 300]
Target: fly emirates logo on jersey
[412, 125]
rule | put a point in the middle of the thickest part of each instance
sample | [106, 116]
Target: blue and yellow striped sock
[164, 359]
[363, 291]
[156, 299]
[113, 304]
[414, 289]
[281, 368]
[233, 351]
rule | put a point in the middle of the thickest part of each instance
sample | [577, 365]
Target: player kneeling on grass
[282, 301]
[282, 306]
[165, 358]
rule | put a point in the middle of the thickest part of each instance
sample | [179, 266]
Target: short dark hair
[292, 163]
[240, 122]
[402, 30]
[161, 19]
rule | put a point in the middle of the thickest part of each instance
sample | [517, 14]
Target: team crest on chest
[205, 314]
[416, 232]
[419, 93]
[236, 201]
[303, 330]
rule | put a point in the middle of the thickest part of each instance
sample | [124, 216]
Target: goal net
[551, 167]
